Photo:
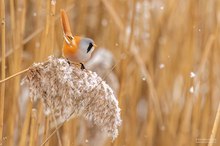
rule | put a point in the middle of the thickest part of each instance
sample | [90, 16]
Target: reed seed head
[68, 91]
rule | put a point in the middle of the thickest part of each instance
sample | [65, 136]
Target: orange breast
[70, 51]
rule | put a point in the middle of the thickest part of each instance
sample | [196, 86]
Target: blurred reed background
[167, 61]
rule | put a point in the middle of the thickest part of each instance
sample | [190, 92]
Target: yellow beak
[95, 46]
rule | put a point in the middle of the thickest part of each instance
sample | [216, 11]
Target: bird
[75, 48]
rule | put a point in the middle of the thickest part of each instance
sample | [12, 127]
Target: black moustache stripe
[90, 47]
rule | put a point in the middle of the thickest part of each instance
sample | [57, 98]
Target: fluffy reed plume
[68, 91]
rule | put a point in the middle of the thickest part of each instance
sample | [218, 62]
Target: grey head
[86, 48]
[86, 45]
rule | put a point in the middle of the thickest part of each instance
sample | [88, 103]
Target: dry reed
[3, 48]
[164, 53]
[68, 91]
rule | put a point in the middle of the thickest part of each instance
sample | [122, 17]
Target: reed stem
[2, 69]
[14, 75]
[212, 139]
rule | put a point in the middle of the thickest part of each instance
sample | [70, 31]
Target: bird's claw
[82, 66]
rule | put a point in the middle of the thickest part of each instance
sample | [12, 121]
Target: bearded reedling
[75, 48]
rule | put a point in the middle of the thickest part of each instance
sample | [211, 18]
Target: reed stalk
[33, 130]
[46, 131]
[52, 25]
[26, 124]
[212, 139]
[3, 74]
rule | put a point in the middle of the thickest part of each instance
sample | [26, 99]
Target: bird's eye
[90, 47]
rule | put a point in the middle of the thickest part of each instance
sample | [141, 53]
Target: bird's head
[86, 45]
[76, 43]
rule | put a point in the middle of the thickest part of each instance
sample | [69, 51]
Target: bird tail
[65, 22]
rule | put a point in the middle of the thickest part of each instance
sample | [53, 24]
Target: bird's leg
[68, 61]
[82, 66]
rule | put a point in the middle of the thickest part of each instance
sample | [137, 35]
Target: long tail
[65, 22]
